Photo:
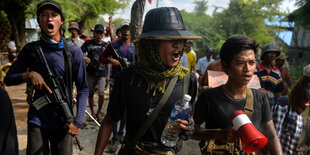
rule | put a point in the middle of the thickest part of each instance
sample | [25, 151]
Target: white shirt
[78, 42]
[106, 39]
[203, 63]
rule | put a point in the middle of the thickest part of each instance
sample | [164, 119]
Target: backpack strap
[148, 122]
[248, 108]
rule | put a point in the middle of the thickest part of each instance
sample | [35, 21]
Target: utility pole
[157, 4]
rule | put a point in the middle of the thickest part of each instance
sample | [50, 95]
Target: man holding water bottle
[140, 88]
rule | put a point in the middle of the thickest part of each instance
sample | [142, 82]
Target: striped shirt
[271, 81]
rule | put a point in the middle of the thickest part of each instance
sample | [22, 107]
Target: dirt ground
[87, 135]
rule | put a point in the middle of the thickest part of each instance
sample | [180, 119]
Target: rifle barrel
[92, 118]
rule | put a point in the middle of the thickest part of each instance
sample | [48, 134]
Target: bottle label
[179, 112]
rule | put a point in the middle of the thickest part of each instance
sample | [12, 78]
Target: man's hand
[110, 19]
[87, 60]
[115, 62]
[29, 99]
[230, 135]
[36, 80]
[107, 80]
[182, 126]
[72, 129]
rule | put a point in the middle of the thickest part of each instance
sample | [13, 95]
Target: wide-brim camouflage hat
[165, 23]
[271, 47]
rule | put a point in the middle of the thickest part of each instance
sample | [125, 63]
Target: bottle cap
[187, 97]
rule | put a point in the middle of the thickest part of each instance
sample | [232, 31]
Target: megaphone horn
[252, 140]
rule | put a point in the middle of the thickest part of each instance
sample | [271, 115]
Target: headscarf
[151, 67]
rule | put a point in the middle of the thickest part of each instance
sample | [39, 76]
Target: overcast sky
[188, 5]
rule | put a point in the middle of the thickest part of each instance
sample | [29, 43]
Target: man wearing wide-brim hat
[270, 76]
[75, 38]
[138, 89]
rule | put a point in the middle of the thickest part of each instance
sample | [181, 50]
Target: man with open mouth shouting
[157, 76]
[54, 65]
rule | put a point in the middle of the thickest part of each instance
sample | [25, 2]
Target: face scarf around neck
[151, 67]
[52, 43]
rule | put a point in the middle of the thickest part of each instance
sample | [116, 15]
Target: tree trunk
[17, 20]
[135, 25]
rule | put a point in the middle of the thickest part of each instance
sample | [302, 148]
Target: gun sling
[44, 100]
[148, 122]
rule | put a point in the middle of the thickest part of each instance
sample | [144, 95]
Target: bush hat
[74, 25]
[270, 48]
[124, 23]
[165, 23]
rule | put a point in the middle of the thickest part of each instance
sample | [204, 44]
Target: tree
[84, 11]
[245, 17]
[200, 7]
[202, 25]
[15, 12]
[81, 10]
[248, 18]
[302, 15]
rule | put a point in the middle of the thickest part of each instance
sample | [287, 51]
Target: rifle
[121, 60]
[58, 95]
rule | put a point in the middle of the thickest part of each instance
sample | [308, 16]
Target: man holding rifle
[120, 54]
[96, 72]
[55, 64]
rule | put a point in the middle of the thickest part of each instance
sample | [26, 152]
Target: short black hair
[234, 45]
[209, 49]
[118, 30]
[11, 56]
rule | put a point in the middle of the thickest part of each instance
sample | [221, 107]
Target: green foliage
[200, 7]
[86, 12]
[202, 25]
[3, 16]
[245, 17]
[296, 70]
[302, 15]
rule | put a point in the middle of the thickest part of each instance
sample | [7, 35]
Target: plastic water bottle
[181, 110]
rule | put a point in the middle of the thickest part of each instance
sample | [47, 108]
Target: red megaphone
[252, 140]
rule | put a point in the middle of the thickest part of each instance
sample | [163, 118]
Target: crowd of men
[146, 78]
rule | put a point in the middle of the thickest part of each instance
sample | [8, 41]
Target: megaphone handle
[237, 144]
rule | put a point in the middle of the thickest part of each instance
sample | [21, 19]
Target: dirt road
[87, 135]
